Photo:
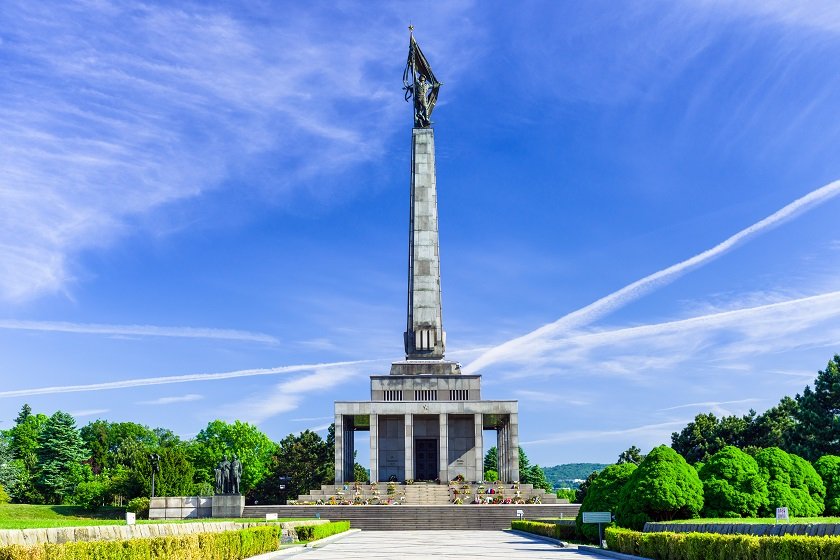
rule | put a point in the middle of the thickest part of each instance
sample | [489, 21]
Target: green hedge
[230, 545]
[703, 546]
[316, 532]
[561, 531]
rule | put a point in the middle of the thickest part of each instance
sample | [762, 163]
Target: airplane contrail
[607, 304]
[135, 330]
[142, 382]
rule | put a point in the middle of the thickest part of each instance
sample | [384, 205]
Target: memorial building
[426, 419]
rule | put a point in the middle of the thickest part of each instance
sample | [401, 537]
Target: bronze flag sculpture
[420, 83]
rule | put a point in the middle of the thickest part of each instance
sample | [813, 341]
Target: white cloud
[172, 400]
[287, 396]
[138, 330]
[708, 404]
[116, 111]
[657, 432]
[190, 378]
[512, 349]
[88, 412]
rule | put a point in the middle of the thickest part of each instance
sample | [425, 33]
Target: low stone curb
[608, 553]
[535, 536]
[299, 549]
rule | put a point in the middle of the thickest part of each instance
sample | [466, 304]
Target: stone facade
[426, 420]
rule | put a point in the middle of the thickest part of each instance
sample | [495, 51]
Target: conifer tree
[60, 455]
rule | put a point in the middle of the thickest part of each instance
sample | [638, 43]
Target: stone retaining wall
[61, 535]
[757, 529]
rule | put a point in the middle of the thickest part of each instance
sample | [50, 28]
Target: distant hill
[570, 475]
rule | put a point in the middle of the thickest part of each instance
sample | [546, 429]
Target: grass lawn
[768, 520]
[23, 516]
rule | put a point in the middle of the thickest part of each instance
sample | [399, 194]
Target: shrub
[4, 497]
[230, 545]
[89, 494]
[603, 495]
[791, 482]
[560, 531]
[828, 467]
[700, 546]
[732, 485]
[566, 494]
[139, 506]
[491, 475]
[316, 532]
[664, 487]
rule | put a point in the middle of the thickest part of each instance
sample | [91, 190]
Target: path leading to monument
[454, 545]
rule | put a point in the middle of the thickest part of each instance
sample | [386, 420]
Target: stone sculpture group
[228, 475]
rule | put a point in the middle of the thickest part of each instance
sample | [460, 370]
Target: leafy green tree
[733, 485]
[491, 461]
[301, 463]
[4, 496]
[817, 429]
[360, 474]
[663, 488]
[631, 455]
[107, 440]
[791, 482]
[60, 455]
[9, 469]
[24, 443]
[253, 448]
[603, 495]
[774, 427]
[583, 488]
[566, 494]
[828, 467]
[491, 475]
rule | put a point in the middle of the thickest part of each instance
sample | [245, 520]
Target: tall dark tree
[60, 455]
[817, 430]
[300, 464]
[107, 440]
[491, 459]
[630, 455]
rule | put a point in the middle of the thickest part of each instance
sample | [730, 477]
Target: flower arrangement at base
[458, 478]
[458, 501]
[409, 481]
[392, 488]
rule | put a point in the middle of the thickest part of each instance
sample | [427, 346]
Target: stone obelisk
[424, 338]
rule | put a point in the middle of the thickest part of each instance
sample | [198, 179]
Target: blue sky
[203, 209]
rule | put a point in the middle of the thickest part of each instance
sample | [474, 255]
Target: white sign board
[520, 514]
[782, 514]
[130, 518]
[271, 517]
[597, 517]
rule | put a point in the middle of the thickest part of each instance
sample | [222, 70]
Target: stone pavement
[454, 545]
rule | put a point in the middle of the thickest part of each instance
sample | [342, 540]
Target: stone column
[424, 337]
[339, 449]
[513, 445]
[409, 447]
[443, 452]
[349, 447]
[374, 447]
[479, 446]
[501, 453]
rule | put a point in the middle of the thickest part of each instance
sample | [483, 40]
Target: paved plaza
[457, 545]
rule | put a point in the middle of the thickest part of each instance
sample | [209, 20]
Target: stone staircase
[421, 517]
[425, 494]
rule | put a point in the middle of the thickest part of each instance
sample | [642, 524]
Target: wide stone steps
[422, 517]
[424, 494]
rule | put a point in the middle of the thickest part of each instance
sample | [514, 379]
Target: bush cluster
[230, 545]
[561, 531]
[139, 506]
[316, 532]
[700, 546]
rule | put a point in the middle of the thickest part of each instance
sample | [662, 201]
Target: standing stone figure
[220, 488]
[236, 475]
[225, 468]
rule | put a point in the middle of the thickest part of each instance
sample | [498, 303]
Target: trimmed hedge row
[561, 531]
[708, 546]
[230, 545]
[316, 532]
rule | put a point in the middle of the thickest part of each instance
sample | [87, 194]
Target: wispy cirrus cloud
[192, 397]
[657, 431]
[88, 412]
[135, 330]
[111, 112]
[511, 349]
[727, 339]
[166, 380]
[708, 404]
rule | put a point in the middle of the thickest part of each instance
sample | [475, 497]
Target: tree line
[48, 460]
[732, 467]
